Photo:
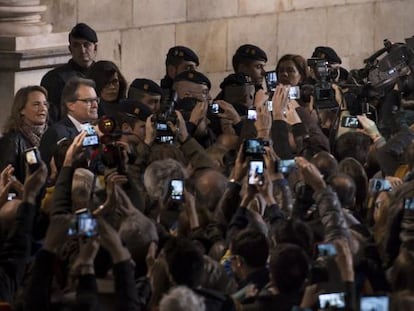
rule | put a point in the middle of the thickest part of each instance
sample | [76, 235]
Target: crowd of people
[284, 192]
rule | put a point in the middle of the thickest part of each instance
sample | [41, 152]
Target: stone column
[22, 18]
[27, 49]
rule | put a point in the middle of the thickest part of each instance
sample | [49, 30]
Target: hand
[57, 232]
[150, 131]
[180, 128]
[292, 116]
[74, 149]
[34, 183]
[249, 194]
[344, 260]
[84, 263]
[151, 257]
[190, 208]
[240, 166]
[110, 240]
[228, 112]
[394, 181]
[199, 112]
[266, 190]
[263, 122]
[279, 101]
[125, 205]
[270, 157]
[310, 297]
[311, 174]
[369, 127]
[260, 98]
[113, 180]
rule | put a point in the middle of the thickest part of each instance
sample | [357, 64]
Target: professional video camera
[323, 91]
[396, 67]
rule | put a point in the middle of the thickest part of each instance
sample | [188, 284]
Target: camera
[177, 190]
[256, 172]
[83, 224]
[163, 131]
[377, 185]
[332, 301]
[92, 138]
[32, 157]
[350, 122]
[271, 80]
[377, 303]
[254, 147]
[285, 166]
[323, 92]
[326, 250]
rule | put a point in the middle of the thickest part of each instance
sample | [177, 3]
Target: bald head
[209, 187]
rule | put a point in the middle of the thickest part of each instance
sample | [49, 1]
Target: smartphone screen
[177, 190]
[271, 80]
[286, 166]
[83, 224]
[256, 170]
[294, 92]
[332, 301]
[214, 108]
[377, 303]
[31, 157]
[253, 147]
[92, 138]
[350, 122]
[377, 185]
[326, 250]
[251, 114]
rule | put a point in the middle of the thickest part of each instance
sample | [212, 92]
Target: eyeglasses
[89, 101]
[114, 82]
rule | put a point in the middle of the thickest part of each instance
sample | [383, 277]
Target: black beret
[134, 109]
[193, 76]
[147, 85]
[330, 54]
[235, 79]
[83, 31]
[252, 52]
[184, 53]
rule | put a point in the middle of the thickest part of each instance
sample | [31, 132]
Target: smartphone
[326, 250]
[286, 166]
[271, 80]
[256, 171]
[215, 108]
[251, 114]
[409, 204]
[350, 122]
[377, 303]
[254, 147]
[332, 301]
[377, 185]
[294, 92]
[177, 190]
[32, 157]
[269, 104]
[83, 224]
[92, 138]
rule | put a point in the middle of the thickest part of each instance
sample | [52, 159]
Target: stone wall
[136, 34]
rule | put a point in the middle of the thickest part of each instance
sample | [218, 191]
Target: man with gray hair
[80, 105]
[182, 298]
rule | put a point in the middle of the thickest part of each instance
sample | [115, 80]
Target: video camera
[323, 91]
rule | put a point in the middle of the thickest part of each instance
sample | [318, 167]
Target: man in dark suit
[80, 105]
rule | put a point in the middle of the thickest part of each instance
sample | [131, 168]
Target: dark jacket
[54, 82]
[12, 145]
[59, 130]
